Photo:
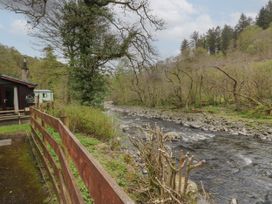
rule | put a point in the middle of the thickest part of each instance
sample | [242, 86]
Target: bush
[90, 121]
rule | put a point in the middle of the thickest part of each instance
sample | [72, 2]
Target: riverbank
[237, 166]
[204, 120]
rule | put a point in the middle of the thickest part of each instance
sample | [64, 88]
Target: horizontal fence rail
[102, 188]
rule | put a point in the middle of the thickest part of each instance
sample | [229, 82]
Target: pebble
[144, 171]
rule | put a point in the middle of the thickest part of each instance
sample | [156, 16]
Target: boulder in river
[172, 136]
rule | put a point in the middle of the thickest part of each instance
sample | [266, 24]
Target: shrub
[90, 121]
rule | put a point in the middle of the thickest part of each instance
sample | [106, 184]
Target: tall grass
[90, 121]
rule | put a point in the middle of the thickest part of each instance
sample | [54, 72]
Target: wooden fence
[102, 188]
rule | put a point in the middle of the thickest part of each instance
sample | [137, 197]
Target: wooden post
[43, 125]
[15, 99]
[65, 120]
[19, 118]
[38, 101]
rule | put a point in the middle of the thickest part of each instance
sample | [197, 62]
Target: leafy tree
[226, 38]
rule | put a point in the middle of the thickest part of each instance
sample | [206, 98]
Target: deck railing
[13, 115]
[102, 188]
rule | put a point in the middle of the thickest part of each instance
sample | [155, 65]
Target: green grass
[80, 184]
[13, 129]
[253, 115]
[88, 120]
[114, 162]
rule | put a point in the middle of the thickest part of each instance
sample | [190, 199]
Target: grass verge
[13, 129]
[87, 120]
[248, 116]
[114, 162]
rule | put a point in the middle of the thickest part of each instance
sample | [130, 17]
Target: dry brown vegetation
[167, 180]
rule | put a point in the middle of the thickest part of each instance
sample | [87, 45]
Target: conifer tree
[211, 41]
[244, 22]
[226, 37]
[195, 39]
[218, 39]
[184, 46]
[264, 17]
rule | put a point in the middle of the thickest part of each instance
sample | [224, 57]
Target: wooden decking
[15, 117]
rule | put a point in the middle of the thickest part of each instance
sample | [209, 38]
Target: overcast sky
[182, 17]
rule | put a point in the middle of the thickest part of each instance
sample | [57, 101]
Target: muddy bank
[201, 121]
[20, 179]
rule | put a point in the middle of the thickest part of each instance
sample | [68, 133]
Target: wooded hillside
[47, 72]
[229, 66]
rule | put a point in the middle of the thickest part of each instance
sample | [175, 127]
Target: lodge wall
[7, 89]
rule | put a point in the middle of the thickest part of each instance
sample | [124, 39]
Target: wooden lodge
[15, 94]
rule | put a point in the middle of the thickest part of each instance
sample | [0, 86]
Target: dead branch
[167, 180]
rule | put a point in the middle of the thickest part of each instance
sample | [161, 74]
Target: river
[237, 166]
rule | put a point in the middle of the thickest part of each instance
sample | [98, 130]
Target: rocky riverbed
[202, 121]
[239, 161]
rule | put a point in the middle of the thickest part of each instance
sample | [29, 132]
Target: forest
[229, 66]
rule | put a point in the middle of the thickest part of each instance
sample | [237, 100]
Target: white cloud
[19, 27]
[181, 19]
[171, 11]
[186, 26]
[180, 16]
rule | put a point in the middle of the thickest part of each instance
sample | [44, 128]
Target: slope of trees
[229, 66]
[47, 72]
[242, 77]
[218, 39]
[10, 61]
[221, 39]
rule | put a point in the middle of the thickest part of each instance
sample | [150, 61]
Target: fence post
[19, 118]
[65, 121]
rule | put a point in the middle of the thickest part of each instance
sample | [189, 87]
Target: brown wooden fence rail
[102, 188]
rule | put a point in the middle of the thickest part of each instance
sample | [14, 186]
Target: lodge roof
[42, 91]
[17, 81]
